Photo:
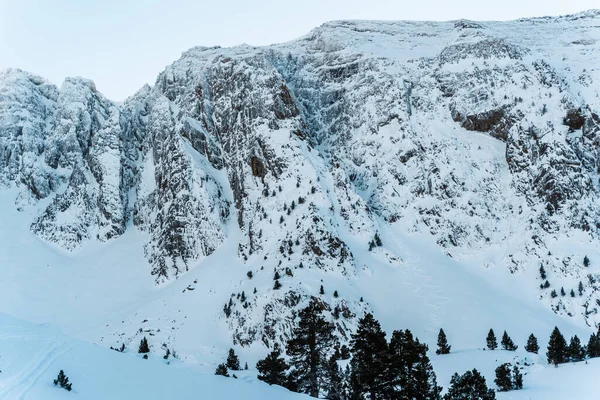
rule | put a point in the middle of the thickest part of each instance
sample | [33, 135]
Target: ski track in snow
[18, 385]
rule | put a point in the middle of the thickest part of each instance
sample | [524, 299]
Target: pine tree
[562, 291]
[576, 350]
[593, 347]
[63, 381]
[321, 290]
[442, 342]
[272, 369]
[369, 357]
[546, 285]
[543, 273]
[310, 343]
[503, 378]
[471, 385]
[409, 374]
[344, 353]
[221, 370]
[246, 366]
[580, 288]
[335, 294]
[334, 380]
[586, 261]
[532, 344]
[233, 362]
[517, 378]
[557, 348]
[553, 293]
[276, 285]
[572, 293]
[144, 348]
[491, 341]
[507, 343]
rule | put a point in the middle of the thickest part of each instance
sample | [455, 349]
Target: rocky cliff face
[482, 134]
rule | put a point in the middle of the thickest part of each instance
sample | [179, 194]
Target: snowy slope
[32, 356]
[470, 148]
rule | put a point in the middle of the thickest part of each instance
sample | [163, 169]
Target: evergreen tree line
[378, 369]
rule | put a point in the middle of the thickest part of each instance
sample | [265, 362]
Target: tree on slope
[272, 369]
[221, 370]
[503, 378]
[369, 358]
[491, 341]
[469, 386]
[557, 348]
[63, 381]
[311, 341]
[507, 343]
[576, 350]
[233, 362]
[593, 347]
[144, 348]
[442, 342]
[517, 378]
[532, 344]
[409, 373]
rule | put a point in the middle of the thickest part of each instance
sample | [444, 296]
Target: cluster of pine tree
[398, 369]
[560, 352]
[508, 378]
[232, 363]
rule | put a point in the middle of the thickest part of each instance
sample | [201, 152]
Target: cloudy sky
[122, 44]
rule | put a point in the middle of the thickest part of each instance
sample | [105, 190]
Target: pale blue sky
[122, 44]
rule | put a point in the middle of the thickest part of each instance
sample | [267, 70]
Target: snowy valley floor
[32, 355]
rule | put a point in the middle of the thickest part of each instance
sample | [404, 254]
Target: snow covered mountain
[424, 171]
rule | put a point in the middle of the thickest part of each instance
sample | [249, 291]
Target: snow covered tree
[233, 362]
[532, 344]
[586, 261]
[543, 273]
[572, 293]
[221, 370]
[576, 350]
[553, 294]
[369, 356]
[557, 348]
[580, 288]
[507, 343]
[491, 341]
[277, 285]
[503, 378]
[442, 342]
[144, 348]
[517, 378]
[409, 373]
[471, 385]
[562, 291]
[308, 347]
[63, 381]
[272, 369]
[593, 347]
